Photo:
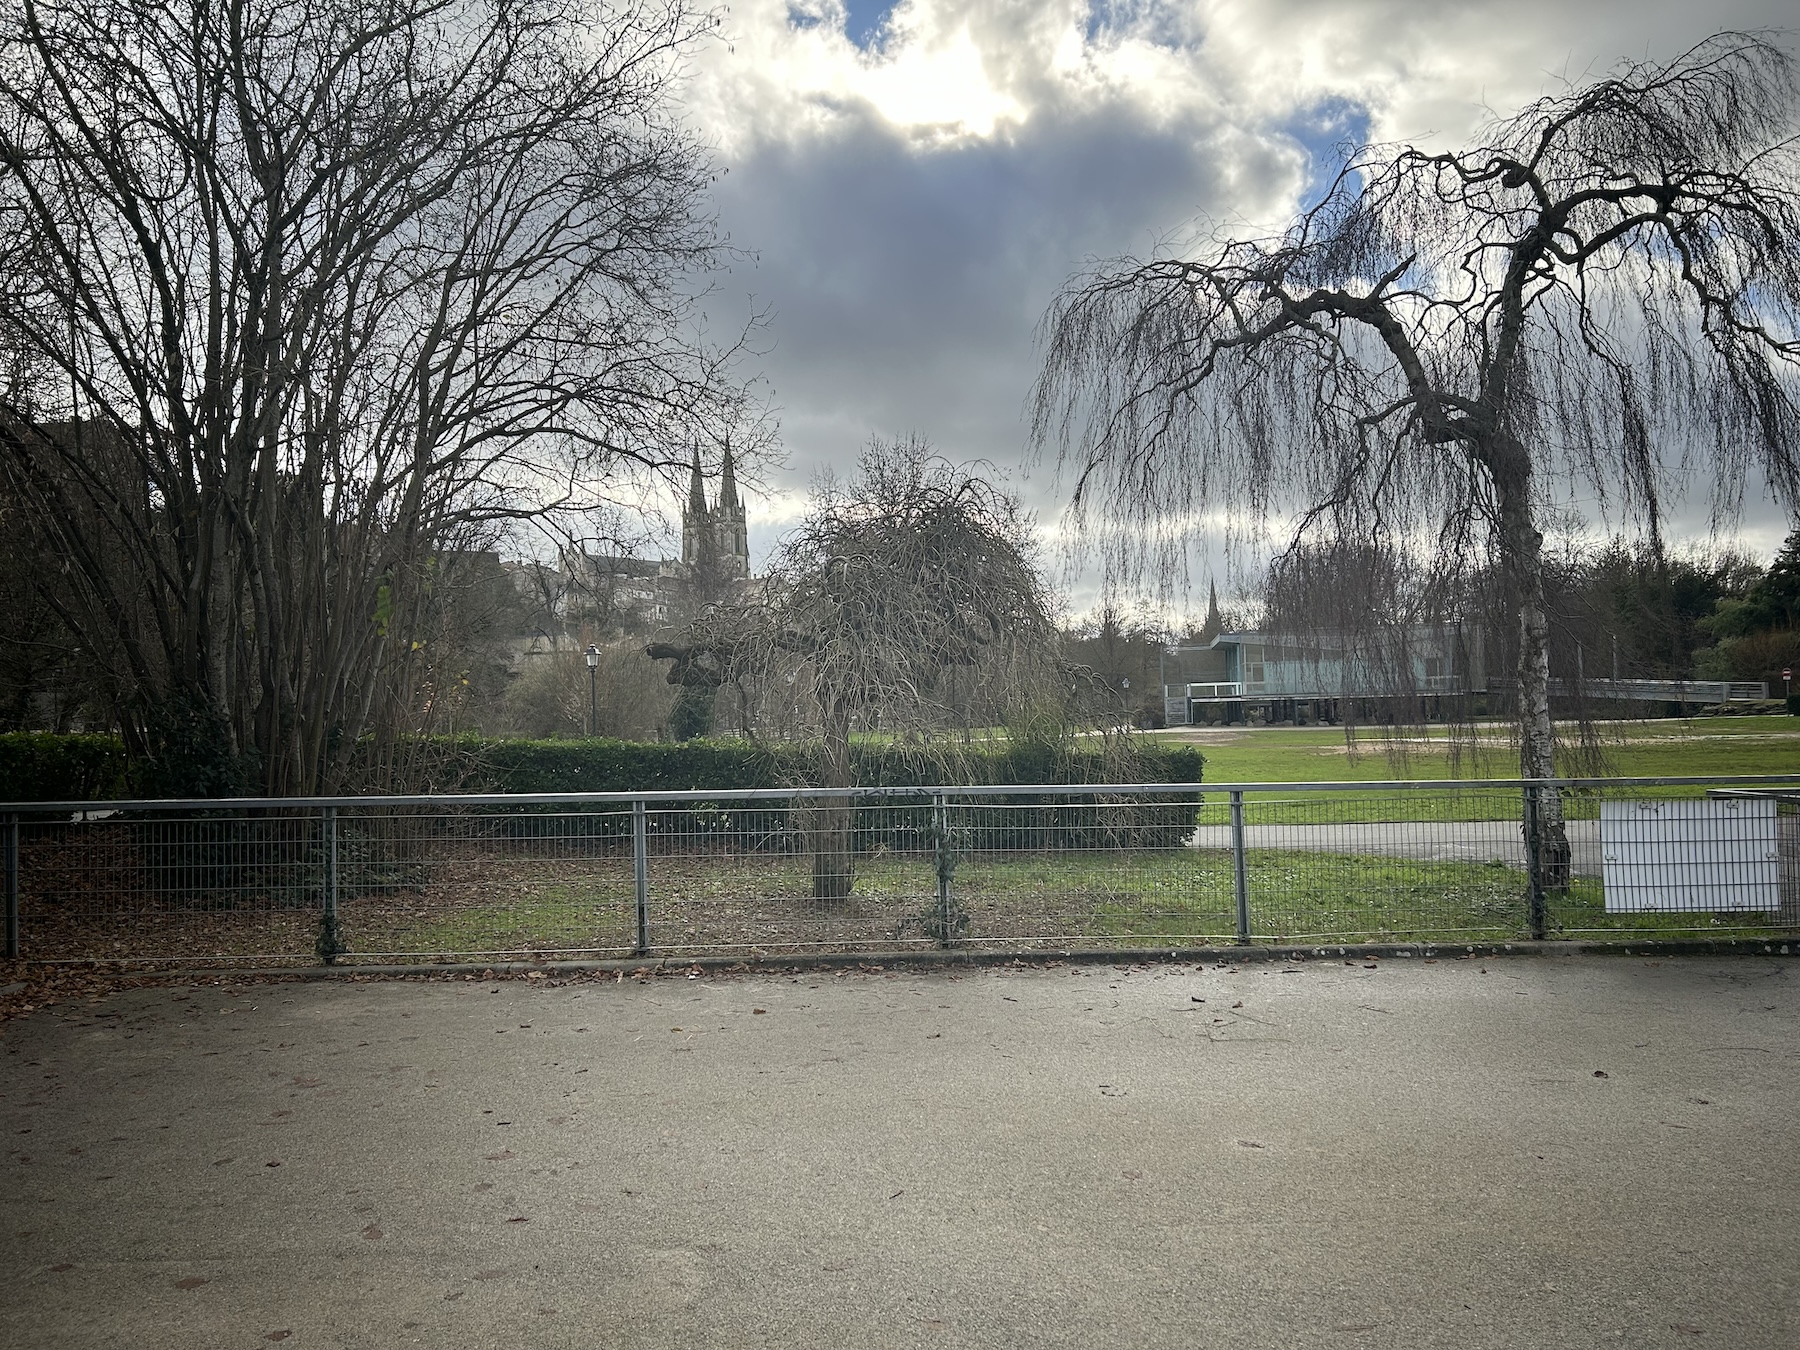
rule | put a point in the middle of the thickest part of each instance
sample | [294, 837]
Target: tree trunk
[1522, 547]
[830, 821]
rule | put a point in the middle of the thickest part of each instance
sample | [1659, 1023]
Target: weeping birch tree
[1602, 289]
[904, 592]
[300, 300]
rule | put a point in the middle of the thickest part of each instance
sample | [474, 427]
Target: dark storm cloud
[906, 282]
[906, 262]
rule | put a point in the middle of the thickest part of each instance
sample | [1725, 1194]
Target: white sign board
[1716, 854]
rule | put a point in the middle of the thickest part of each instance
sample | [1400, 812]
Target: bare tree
[299, 297]
[903, 591]
[1601, 289]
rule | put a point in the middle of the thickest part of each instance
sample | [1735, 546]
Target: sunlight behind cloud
[913, 182]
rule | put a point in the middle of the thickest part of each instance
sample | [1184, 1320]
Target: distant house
[1282, 677]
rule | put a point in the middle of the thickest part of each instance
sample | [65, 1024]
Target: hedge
[631, 766]
[230, 859]
[1005, 820]
[45, 766]
[42, 766]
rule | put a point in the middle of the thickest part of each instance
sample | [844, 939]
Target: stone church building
[599, 597]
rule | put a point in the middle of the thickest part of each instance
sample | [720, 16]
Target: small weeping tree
[904, 592]
[1602, 289]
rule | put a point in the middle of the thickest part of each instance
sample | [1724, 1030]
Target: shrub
[42, 766]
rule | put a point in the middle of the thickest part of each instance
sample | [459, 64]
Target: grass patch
[1143, 897]
[1691, 747]
[1699, 747]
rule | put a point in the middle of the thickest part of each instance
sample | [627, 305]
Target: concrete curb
[936, 958]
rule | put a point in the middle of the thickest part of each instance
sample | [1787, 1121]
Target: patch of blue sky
[1329, 131]
[1153, 21]
[865, 22]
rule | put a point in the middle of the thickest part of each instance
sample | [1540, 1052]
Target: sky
[912, 183]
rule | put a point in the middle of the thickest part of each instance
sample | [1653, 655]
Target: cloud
[917, 180]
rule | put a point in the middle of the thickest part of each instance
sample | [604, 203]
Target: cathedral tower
[715, 539]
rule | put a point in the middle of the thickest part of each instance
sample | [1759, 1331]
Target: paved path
[1419, 1155]
[1426, 841]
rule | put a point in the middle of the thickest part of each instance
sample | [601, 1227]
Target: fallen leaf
[1686, 1328]
[222, 1161]
[281, 1335]
[1238, 1004]
[519, 1218]
[63, 1265]
[759, 1011]
[501, 1156]
[371, 1232]
[1195, 998]
[1599, 1073]
[306, 1082]
[1248, 1143]
[897, 1194]
[191, 1282]
[271, 1164]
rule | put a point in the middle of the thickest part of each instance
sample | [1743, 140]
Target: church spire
[728, 498]
[1214, 625]
[696, 488]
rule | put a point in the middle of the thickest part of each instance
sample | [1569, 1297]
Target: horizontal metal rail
[926, 791]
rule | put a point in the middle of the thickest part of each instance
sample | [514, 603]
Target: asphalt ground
[1533, 1151]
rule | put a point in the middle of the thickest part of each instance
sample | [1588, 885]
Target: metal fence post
[330, 942]
[1240, 879]
[640, 868]
[946, 867]
[12, 887]
[1534, 871]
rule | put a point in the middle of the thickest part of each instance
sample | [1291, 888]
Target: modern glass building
[1283, 677]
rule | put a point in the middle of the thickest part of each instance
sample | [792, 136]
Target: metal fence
[437, 878]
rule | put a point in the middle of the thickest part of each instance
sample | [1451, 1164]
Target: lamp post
[593, 660]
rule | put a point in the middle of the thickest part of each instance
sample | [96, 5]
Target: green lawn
[1721, 746]
[1708, 745]
[1137, 898]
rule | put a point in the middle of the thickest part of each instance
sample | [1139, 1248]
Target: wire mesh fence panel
[1094, 870]
[1678, 861]
[802, 875]
[433, 884]
[223, 886]
[762, 873]
[1402, 866]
